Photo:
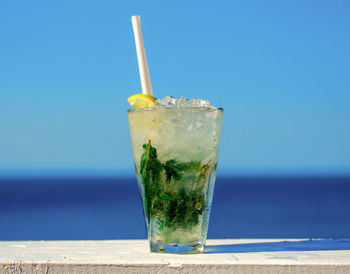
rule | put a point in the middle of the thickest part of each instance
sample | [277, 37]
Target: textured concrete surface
[133, 256]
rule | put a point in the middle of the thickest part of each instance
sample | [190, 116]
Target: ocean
[110, 208]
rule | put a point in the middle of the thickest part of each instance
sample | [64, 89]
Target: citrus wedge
[141, 100]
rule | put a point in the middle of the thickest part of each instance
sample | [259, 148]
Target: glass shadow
[305, 245]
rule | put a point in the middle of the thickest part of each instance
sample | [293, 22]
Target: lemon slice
[141, 100]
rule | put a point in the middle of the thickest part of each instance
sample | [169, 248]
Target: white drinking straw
[141, 56]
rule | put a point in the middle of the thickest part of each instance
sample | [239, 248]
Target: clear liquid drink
[175, 151]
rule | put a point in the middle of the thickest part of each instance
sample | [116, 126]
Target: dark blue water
[110, 208]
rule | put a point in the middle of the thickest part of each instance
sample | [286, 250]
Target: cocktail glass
[175, 153]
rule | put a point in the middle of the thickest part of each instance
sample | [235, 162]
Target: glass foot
[190, 248]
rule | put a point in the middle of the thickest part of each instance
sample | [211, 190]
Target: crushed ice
[169, 101]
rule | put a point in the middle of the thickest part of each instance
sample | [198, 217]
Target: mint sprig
[172, 209]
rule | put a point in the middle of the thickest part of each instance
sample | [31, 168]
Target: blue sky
[280, 69]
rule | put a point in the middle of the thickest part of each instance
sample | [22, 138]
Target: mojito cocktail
[175, 146]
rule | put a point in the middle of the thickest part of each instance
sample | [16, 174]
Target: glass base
[190, 248]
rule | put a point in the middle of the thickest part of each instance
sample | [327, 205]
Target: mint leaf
[150, 168]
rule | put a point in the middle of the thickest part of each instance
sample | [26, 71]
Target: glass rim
[194, 109]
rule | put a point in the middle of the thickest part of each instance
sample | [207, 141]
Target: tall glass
[175, 153]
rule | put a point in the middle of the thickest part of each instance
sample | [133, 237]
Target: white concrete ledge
[133, 256]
